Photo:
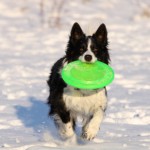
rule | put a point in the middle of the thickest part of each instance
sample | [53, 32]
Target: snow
[31, 40]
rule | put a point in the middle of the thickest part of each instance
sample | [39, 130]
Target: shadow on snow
[36, 116]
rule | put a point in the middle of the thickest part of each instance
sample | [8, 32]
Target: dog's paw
[89, 133]
[66, 131]
[87, 136]
[66, 134]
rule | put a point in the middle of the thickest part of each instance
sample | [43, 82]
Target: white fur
[88, 52]
[65, 130]
[86, 104]
[92, 127]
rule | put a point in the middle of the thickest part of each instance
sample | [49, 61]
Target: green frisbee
[87, 75]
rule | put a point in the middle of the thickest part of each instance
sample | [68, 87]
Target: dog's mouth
[88, 62]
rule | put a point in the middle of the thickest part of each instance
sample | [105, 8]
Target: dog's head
[88, 48]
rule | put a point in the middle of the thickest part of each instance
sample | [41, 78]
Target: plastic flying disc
[87, 75]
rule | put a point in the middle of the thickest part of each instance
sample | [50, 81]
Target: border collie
[68, 103]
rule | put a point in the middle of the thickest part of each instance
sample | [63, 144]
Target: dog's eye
[81, 50]
[95, 50]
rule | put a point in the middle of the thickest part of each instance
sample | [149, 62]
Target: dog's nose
[88, 58]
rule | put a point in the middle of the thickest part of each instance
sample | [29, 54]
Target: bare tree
[51, 12]
[54, 18]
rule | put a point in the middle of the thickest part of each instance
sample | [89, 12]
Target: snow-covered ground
[32, 38]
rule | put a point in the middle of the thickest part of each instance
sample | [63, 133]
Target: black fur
[76, 46]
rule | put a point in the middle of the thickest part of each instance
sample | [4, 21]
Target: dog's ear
[101, 34]
[76, 32]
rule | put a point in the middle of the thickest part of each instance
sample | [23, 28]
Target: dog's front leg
[91, 128]
[65, 128]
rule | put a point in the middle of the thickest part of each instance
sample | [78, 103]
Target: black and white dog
[66, 102]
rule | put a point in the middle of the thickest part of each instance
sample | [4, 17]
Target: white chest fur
[84, 102]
